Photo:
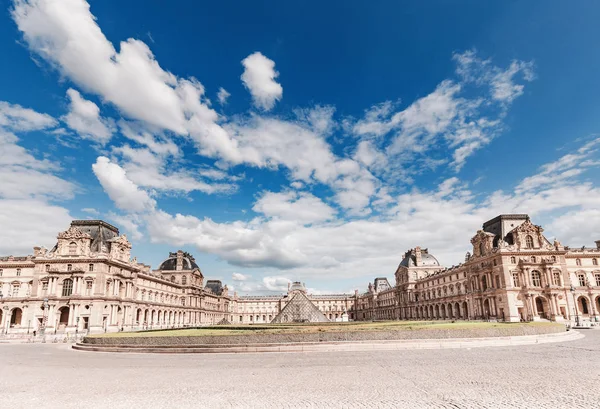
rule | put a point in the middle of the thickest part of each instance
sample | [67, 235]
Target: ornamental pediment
[528, 227]
[73, 233]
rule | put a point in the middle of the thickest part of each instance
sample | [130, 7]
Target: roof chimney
[179, 260]
[417, 255]
[597, 244]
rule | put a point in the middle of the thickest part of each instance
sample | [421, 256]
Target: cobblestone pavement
[560, 375]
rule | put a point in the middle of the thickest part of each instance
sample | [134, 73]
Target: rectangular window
[516, 280]
[45, 286]
[88, 287]
[598, 279]
[581, 278]
[15, 291]
[18, 272]
[91, 268]
[556, 278]
[497, 281]
[1, 271]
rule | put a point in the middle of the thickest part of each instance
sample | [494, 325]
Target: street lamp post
[44, 317]
[7, 319]
[575, 306]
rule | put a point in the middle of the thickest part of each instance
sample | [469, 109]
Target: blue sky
[314, 141]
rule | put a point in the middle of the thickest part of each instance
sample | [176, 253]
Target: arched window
[533, 259]
[67, 288]
[581, 278]
[183, 280]
[584, 306]
[536, 279]
[69, 267]
[578, 261]
[72, 248]
[172, 279]
[528, 242]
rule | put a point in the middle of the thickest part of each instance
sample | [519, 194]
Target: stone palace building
[89, 282]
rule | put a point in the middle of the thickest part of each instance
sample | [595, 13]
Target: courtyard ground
[559, 375]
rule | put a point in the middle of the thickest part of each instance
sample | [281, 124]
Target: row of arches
[456, 310]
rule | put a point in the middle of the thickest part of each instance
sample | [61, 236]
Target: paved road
[561, 375]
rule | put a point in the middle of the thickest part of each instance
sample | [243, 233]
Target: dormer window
[528, 242]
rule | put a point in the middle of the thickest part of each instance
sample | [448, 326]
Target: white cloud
[24, 176]
[300, 207]
[16, 118]
[90, 210]
[444, 118]
[123, 192]
[30, 222]
[223, 96]
[259, 77]
[239, 277]
[84, 118]
[279, 284]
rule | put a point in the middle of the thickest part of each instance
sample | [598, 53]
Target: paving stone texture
[558, 375]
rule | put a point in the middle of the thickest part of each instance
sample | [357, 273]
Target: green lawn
[320, 327]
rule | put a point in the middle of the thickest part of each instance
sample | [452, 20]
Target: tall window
[533, 259]
[88, 287]
[15, 290]
[481, 249]
[69, 267]
[73, 248]
[18, 272]
[44, 286]
[581, 278]
[172, 279]
[597, 279]
[515, 277]
[595, 261]
[528, 242]
[47, 267]
[67, 288]
[183, 280]
[513, 260]
[553, 259]
[484, 283]
[578, 262]
[536, 279]
[91, 268]
[556, 278]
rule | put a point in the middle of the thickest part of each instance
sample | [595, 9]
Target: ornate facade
[514, 273]
[89, 282]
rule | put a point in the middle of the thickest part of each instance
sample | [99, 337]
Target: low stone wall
[504, 330]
